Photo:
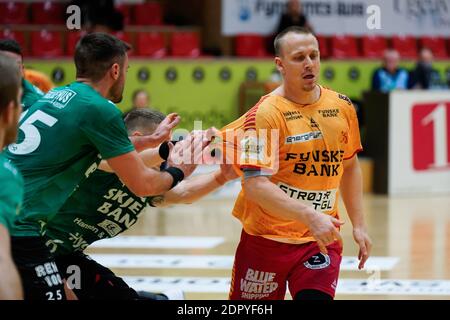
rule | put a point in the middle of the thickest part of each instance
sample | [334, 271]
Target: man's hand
[324, 229]
[365, 245]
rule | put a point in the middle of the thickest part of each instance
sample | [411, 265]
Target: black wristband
[164, 150]
[176, 174]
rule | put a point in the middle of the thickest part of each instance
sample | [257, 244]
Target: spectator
[293, 17]
[390, 76]
[424, 76]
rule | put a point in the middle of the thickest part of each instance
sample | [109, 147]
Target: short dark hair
[141, 119]
[10, 81]
[294, 29]
[95, 53]
[10, 45]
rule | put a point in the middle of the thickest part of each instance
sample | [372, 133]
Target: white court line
[345, 286]
[215, 262]
[161, 242]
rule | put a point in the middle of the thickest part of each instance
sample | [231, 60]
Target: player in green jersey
[102, 207]
[30, 93]
[11, 183]
[61, 139]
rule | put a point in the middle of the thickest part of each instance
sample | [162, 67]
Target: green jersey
[30, 94]
[11, 192]
[101, 207]
[59, 141]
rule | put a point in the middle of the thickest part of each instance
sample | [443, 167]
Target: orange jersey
[301, 148]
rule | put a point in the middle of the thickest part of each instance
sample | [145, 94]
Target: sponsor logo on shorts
[320, 200]
[49, 272]
[304, 137]
[258, 284]
[318, 261]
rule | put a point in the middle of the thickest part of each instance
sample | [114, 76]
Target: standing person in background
[390, 76]
[11, 182]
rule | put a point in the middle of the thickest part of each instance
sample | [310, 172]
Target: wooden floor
[415, 229]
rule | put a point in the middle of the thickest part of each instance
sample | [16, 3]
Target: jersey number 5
[32, 137]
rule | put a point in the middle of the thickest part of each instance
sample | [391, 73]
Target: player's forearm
[271, 198]
[10, 285]
[351, 192]
[194, 188]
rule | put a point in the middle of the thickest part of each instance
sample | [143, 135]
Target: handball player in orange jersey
[298, 152]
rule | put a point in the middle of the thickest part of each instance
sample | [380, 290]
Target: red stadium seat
[46, 44]
[151, 44]
[344, 47]
[324, 46]
[250, 45]
[13, 12]
[185, 44]
[47, 12]
[72, 40]
[405, 45]
[149, 13]
[373, 46]
[436, 45]
[15, 35]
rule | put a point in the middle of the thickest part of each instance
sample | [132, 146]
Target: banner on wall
[419, 142]
[354, 17]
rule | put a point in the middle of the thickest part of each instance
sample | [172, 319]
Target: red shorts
[262, 269]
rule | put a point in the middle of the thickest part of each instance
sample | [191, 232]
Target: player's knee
[311, 294]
